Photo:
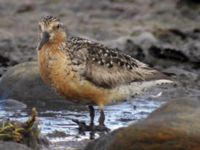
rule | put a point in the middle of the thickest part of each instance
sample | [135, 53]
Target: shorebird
[88, 72]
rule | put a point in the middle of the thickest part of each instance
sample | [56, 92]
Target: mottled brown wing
[109, 68]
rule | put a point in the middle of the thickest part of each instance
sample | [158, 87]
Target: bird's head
[51, 31]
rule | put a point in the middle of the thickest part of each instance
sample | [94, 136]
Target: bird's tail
[135, 88]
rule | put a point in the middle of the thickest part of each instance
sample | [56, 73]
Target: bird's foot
[82, 126]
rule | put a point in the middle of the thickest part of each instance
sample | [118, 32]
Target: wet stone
[169, 123]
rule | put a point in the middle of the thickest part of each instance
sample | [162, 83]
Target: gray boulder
[174, 126]
[11, 105]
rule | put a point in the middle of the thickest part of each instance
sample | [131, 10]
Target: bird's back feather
[109, 68]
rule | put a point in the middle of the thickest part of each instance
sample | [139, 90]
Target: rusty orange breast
[56, 70]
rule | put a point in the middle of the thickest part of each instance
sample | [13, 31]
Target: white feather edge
[136, 88]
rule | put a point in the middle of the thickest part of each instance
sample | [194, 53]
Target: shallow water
[118, 115]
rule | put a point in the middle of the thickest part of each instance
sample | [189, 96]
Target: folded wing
[109, 68]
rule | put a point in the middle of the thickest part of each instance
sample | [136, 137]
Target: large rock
[174, 126]
[11, 105]
[23, 82]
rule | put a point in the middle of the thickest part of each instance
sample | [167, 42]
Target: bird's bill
[45, 38]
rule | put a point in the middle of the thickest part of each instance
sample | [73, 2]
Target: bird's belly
[80, 91]
[69, 84]
[59, 74]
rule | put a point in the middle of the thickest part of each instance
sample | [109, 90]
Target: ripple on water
[118, 115]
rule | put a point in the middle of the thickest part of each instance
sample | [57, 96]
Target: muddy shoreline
[164, 34]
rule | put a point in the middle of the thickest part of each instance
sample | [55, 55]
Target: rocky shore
[163, 34]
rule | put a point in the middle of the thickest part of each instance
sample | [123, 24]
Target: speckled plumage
[108, 68]
[48, 19]
[87, 71]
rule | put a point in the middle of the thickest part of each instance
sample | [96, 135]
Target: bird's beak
[45, 38]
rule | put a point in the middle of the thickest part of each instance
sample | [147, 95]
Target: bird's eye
[58, 26]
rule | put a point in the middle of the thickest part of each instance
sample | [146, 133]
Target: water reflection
[118, 115]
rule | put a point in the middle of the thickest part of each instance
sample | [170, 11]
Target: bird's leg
[82, 125]
[92, 114]
[101, 118]
[101, 126]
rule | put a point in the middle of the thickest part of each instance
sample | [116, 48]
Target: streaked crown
[48, 19]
